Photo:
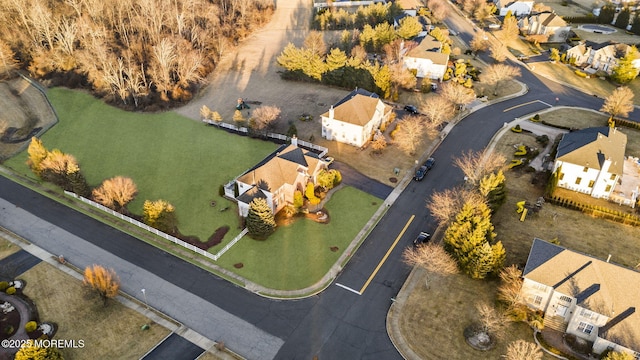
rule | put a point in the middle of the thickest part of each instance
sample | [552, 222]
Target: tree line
[133, 53]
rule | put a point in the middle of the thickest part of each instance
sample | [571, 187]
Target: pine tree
[623, 18]
[607, 13]
[260, 219]
[635, 27]
[499, 257]
[492, 187]
[37, 153]
[336, 59]
[480, 261]
[625, 71]
[409, 27]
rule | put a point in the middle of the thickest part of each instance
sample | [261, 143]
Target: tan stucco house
[426, 59]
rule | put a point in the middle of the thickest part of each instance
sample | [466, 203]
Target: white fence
[321, 149]
[173, 239]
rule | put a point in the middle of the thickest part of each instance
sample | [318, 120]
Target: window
[578, 180]
[608, 188]
[613, 176]
[537, 299]
[561, 176]
[585, 169]
[565, 298]
[588, 314]
[591, 182]
[585, 327]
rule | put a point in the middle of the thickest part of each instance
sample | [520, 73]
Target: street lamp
[144, 293]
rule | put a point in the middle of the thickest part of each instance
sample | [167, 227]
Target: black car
[411, 109]
[422, 238]
[422, 170]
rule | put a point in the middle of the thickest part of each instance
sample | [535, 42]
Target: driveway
[352, 177]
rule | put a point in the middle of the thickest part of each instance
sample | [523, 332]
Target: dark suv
[422, 170]
[422, 238]
[411, 109]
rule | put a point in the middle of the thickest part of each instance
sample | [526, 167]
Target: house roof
[279, 168]
[429, 48]
[408, 4]
[590, 147]
[356, 108]
[550, 19]
[598, 285]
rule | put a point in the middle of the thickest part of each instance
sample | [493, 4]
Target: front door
[561, 310]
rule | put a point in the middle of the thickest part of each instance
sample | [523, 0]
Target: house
[592, 299]
[596, 56]
[275, 178]
[517, 7]
[354, 119]
[546, 23]
[426, 59]
[591, 160]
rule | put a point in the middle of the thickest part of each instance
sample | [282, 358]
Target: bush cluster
[31, 326]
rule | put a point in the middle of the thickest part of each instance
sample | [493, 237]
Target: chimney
[294, 140]
[331, 112]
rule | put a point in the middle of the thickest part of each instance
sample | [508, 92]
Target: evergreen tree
[635, 27]
[409, 27]
[492, 187]
[499, 257]
[336, 59]
[37, 153]
[623, 19]
[260, 219]
[625, 71]
[607, 13]
[554, 55]
[480, 261]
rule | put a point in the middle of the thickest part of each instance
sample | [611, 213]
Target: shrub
[535, 118]
[10, 290]
[221, 190]
[581, 73]
[542, 139]
[3, 285]
[516, 129]
[298, 200]
[31, 326]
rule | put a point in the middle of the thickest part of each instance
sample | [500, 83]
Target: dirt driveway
[251, 72]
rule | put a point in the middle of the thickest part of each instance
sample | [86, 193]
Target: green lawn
[168, 157]
[298, 255]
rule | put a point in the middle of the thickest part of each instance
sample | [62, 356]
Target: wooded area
[138, 54]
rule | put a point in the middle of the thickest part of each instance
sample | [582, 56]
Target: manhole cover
[393, 180]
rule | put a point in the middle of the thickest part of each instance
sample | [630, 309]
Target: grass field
[168, 157]
[305, 244]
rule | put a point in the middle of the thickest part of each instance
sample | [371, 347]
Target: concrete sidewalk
[196, 316]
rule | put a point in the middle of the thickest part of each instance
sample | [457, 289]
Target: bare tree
[115, 193]
[498, 51]
[431, 257]
[409, 134]
[314, 42]
[379, 143]
[457, 94]
[619, 103]
[104, 281]
[495, 74]
[162, 67]
[8, 62]
[484, 11]
[480, 41]
[439, 9]
[265, 116]
[437, 109]
[523, 350]
[492, 322]
[475, 165]
[510, 286]
[445, 205]
[401, 77]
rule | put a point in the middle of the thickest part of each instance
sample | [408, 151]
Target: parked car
[422, 170]
[422, 238]
[411, 109]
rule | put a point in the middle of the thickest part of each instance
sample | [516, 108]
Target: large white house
[277, 177]
[591, 160]
[597, 56]
[426, 59]
[546, 23]
[589, 298]
[354, 119]
[517, 7]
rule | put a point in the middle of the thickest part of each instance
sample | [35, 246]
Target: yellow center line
[373, 274]
[517, 106]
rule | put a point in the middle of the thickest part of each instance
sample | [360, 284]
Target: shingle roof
[590, 147]
[356, 109]
[550, 19]
[280, 167]
[600, 286]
